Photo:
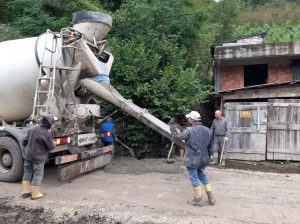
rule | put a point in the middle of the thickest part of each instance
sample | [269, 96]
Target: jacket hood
[47, 121]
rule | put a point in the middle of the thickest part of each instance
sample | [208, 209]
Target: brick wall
[280, 73]
[231, 77]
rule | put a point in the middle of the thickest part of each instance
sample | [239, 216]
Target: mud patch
[19, 214]
[127, 165]
[90, 220]
[265, 166]
[10, 214]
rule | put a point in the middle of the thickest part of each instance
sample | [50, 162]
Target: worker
[220, 130]
[107, 132]
[198, 148]
[38, 142]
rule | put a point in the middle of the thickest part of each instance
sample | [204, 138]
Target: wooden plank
[284, 129]
[270, 156]
[285, 104]
[264, 92]
[248, 128]
[284, 156]
[296, 158]
[284, 101]
[232, 106]
[281, 126]
[250, 151]
[248, 157]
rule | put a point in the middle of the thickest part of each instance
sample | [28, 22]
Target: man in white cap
[198, 147]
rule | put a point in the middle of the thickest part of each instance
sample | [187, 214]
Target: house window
[296, 69]
[255, 74]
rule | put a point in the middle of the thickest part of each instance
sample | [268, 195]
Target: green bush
[161, 50]
[269, 14]
[8, 32]
[276, 32]
[162, 60]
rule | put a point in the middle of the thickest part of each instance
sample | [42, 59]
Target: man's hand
[225, 139]
[211, 159]
[172, 121]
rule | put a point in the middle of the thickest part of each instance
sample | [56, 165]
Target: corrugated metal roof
[257, 87]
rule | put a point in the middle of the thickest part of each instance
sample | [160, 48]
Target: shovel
[169, 154]
[131, 152]
[222, 152]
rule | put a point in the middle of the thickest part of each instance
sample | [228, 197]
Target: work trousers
[197, 176]
[218, 144]
[33, 172]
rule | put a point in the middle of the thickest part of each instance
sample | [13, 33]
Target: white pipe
[110, 94]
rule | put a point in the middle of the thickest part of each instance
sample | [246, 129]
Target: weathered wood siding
[248, 128]
[283, 136]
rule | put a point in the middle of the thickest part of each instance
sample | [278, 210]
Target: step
[44, 92]
[59, 68]
[47, 77]
[42, 106]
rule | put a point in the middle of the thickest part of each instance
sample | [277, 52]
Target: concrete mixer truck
[56, 74]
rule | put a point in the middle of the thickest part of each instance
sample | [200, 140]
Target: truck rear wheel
[11, 161]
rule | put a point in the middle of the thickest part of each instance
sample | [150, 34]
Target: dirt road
[151, 191]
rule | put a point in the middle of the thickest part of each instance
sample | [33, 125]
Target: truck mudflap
[71, 170]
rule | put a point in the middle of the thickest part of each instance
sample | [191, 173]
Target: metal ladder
[45, 91]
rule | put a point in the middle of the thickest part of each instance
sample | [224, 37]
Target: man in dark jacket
[38, 143]
[198, 148]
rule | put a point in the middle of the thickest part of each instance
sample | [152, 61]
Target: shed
[258, 88]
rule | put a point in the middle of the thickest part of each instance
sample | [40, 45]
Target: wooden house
[258, 87]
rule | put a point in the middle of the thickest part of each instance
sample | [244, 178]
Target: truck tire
[11, 160]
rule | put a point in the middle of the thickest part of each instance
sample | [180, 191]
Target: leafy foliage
[282, 32]
[8, 32]
[277, 11]
[162, 59]
[5, 14]
[279, 18]
[161, 50]
[32, 17]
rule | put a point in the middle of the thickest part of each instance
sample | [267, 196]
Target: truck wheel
[11, 161]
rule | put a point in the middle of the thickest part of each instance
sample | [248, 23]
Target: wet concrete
[152, 191]
[128, 165]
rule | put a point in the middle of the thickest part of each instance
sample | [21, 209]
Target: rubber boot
[211, 198]
[35, 192]
[26, 191]
[215, 160]
[197, 196]
[223, 162]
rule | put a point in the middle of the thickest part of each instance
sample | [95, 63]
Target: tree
[8, 33]
[161, 50]
[4, 12]
[162, 59]
[32, 17]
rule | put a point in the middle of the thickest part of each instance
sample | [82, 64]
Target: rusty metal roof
[257, 87]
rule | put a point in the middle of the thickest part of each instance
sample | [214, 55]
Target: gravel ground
[152, 191]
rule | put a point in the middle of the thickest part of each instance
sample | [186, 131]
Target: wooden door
[283, 129]
[248, 128]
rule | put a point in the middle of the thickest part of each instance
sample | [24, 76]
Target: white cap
[194, 115]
